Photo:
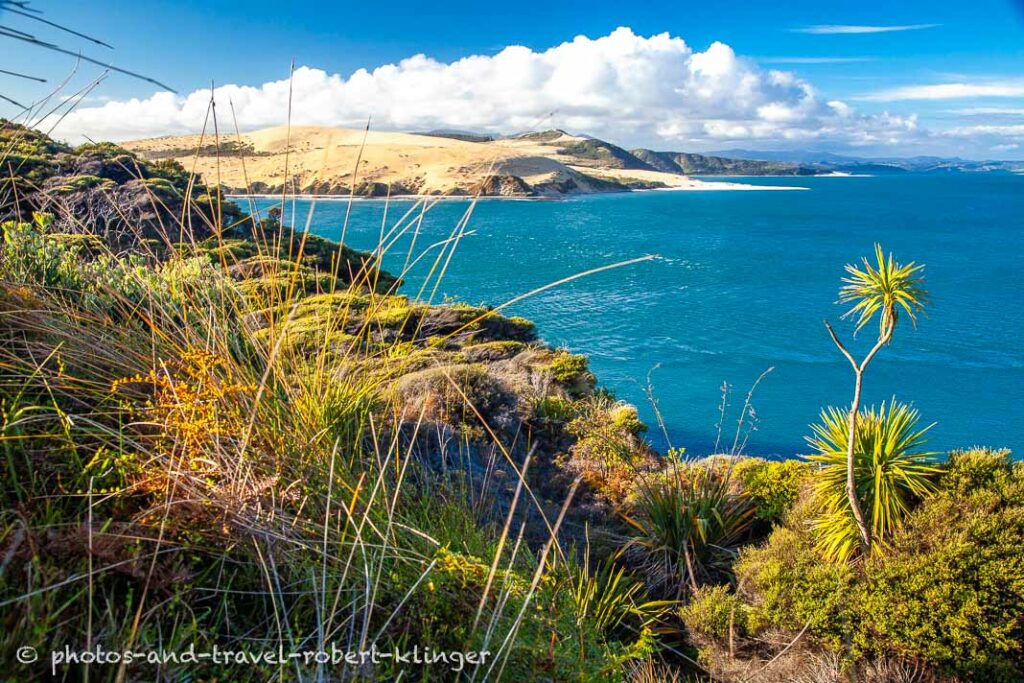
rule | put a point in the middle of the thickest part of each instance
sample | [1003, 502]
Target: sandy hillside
[323, 160]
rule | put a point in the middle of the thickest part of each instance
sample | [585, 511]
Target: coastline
[703, 186]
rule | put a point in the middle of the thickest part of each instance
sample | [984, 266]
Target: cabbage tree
[885, 289]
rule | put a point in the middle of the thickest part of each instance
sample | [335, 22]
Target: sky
[867, 78]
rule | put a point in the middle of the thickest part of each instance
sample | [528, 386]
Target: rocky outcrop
[104, 190]
[502, 186]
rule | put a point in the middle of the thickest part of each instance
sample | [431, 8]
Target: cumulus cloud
[832, 29]
[653, 90]
[947, 91]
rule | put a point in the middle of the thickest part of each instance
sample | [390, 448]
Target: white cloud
[652, 90]
[1014, 131]
[832, 29]
[947, 91]
[1005, 148]
[988, 111]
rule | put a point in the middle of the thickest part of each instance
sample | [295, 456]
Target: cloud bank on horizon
[847, 29]
[652, 91]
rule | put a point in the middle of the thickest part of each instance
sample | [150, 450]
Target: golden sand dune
[318, 160]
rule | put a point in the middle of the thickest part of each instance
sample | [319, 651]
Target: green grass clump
[688, 530]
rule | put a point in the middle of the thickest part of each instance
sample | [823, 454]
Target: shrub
[609, 452]
[977, 468]
[554, 408]
[30, 255]
[571, 371]
[950, 589]
[712, 612]
[788, 585]
[771, 486]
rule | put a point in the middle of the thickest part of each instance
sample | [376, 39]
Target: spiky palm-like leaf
[884, 288]
[610, 595]
[892, 471]
[688, 530]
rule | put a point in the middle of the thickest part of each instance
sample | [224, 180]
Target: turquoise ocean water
[742, 282]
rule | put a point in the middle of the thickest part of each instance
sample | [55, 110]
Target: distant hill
[600, 154]
[466, 136]
[700, 164]
[826, 161]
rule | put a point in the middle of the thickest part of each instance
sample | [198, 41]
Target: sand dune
[316, 160]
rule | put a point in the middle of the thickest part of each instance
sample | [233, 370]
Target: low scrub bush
[946, 590]
[772, 486]
[950, 587]
[610, 453]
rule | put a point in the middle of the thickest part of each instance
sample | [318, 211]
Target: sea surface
[741, 282]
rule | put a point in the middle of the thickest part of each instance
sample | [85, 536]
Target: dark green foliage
[604, 153]
[700, 164]
[950, 588]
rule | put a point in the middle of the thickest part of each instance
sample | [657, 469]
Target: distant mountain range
[826, 161]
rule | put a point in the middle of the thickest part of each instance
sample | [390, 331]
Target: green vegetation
[688, 529]
[772, 486]
[883, 289]
[231, 433]
[890, 470]
[947, 590]
[700, 164]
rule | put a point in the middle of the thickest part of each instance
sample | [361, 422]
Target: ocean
[741, 282]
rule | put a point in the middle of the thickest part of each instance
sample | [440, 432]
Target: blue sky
[951, 81]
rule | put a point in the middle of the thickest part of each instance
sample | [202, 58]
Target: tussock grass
[208, 440]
